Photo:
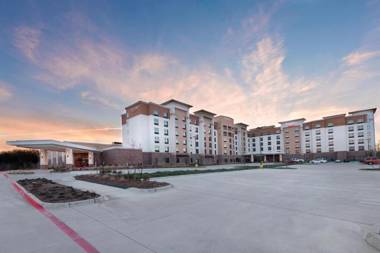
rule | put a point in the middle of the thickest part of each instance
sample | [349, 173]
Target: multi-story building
[265, 144]
[169, 133]
[226, 136]
[241, 143]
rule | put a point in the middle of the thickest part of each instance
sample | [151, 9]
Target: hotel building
[168, 134]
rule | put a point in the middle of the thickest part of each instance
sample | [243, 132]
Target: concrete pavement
[316, 208]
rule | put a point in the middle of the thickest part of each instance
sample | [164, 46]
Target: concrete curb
[152, 189]
[99, 199]
[372, 236]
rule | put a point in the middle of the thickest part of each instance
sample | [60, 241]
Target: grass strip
[194, 172]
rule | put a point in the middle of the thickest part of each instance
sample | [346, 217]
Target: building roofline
[138, 102]
[223, 116]
[202, 111]
[370, 109]
[334, 116]
[241, 124]
[287, 121]
[176, 101]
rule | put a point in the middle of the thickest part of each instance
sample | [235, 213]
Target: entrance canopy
[61, 146]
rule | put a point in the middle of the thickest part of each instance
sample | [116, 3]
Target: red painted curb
[85, 245]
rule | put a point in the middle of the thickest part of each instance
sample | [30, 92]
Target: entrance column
[44, 160]
[265, 158]
[280, 157]
[90, 158]
[252, 160]
[69, 158]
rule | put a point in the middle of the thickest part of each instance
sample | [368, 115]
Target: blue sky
[68, 68]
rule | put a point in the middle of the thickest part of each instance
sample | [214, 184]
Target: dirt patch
[121, 181]
[51, 192]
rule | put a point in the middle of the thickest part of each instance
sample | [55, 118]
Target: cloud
[258, 91]
[91, 97]
[5, 92]
[13, 127]
[356, 58]
[27, 40]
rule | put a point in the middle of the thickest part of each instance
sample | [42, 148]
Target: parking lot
[315, 208]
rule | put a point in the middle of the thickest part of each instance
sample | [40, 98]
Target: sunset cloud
[27, 40]
[20, 128]
[5, 92]
[254, 88]
[356, 58]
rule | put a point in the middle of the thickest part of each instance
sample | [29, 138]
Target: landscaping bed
[52, 192]
[122, 181]
[194, 172]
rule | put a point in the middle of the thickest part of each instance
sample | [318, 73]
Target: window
[360, 121]
[165, 115]
[331, 137]
[350, 128]
[166, 140]
[318, 144]
[361, 141]
[156, 148]
[166, 131]
[318, 132]
[331, 149]
[307, 150]
[360, 127]
[351, 135]
[331, 143]
[156, 130]
[167, 149]
[330, 130]
[317, 125]
[350, 122]
[351, 148]
[269, 148]
[351, 142]
[361, 148]
[156, 139]
[166, 123]
[278, 142]
[269, 143]
[155, 120]
[269, 138]
[307, 127]
[307, 133]
[330, 124]
[360, 134]
[278, 148]
[155, 113]
[319, 150]
[318, 138]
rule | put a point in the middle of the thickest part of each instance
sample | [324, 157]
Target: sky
[69, 68]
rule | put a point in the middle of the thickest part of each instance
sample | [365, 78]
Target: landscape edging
[372, 236]
[163, 188]
[58, 205]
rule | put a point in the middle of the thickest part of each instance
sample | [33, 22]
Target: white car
[297, 160]
[318, 161]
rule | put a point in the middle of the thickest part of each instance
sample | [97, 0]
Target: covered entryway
[60, 153]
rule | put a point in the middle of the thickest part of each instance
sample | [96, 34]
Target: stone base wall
[332, 156]
[121, 157]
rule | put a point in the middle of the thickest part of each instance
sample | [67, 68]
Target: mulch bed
[120, 181]
[52, 192]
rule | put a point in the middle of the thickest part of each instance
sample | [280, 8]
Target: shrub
[19, 159]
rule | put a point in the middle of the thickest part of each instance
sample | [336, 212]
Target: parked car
[371, 160]
[318, 161]
[298, 160]
[338, 161]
